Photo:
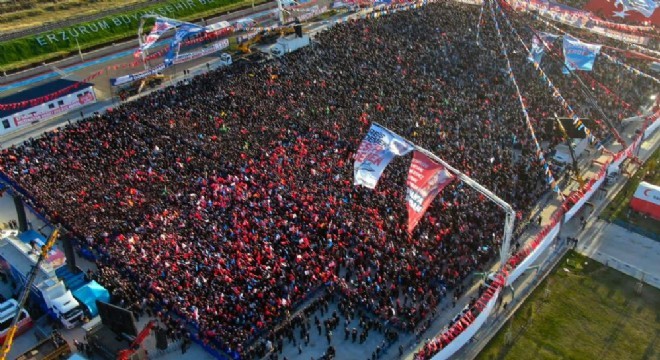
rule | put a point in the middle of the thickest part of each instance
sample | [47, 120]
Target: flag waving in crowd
[645, 7]
[579, 55]
[376, 151]
[538, 48]
[426, 179]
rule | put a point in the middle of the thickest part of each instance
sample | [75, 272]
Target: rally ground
[583, 310]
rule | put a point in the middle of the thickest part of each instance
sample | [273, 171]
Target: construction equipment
[576, 168]
[245, 47]
[151, 81]
[135, 345]
[43, 255]
[50, 348]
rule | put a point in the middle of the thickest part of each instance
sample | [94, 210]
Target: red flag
[425, 180]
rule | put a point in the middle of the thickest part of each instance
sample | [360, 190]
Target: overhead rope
[577, 122]
[539, 152]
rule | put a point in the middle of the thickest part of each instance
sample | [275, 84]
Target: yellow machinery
[43, 255]
[245, 47]
[151, 81]
[266, 36]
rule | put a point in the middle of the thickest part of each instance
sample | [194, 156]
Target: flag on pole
[644, 7]
[376, 151]
[579, 55]
[538, 48]
[426, 179]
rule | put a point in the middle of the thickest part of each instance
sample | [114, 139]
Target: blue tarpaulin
[27, 236]
[88, 295]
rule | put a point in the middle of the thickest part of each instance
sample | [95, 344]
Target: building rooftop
[39, 91]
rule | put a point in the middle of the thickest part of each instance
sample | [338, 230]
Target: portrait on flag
[426, 179]
[160, 27]
[538, 48]
[376, 151]
[579, 55]
[182, 32]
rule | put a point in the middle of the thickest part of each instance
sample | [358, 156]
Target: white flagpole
[481, 13]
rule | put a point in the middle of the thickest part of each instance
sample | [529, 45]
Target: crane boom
[126, 353]
[43, 254]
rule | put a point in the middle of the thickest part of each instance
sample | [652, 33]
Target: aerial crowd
[228, 198]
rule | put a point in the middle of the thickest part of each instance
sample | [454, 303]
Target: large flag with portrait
[376, 151]
[182, 33]
[160, 27]
[426, 179]
[579, 55]
[538, 45]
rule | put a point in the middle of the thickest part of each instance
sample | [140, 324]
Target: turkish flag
[613, 10]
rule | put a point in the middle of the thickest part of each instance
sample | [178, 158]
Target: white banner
[182, 58]
[137, 76]
[44, 111]
[529, 260]
[572, 211]
[468, 333]
[374, 154]
[222, 44]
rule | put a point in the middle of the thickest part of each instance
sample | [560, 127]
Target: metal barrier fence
[628, 269]
[628, 226]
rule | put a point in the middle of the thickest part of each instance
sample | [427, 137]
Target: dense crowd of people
[228, 198]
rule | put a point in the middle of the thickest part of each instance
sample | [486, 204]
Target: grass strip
[19, 53]
[583, 310]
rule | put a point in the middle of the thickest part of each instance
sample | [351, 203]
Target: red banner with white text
[426, 179]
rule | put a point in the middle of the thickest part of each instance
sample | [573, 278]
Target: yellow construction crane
[43, 255]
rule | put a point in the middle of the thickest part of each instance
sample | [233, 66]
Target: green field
[31, 13]
[25, 51]
[618, 208]
[588, 312]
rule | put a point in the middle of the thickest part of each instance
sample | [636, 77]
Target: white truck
[61, 302]
[48, 291]
[285, 45]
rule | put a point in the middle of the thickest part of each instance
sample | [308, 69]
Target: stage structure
[161, 26]
[510, 213]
